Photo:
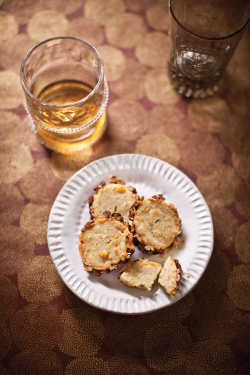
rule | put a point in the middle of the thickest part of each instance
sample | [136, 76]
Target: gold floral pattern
[125, 31]
[27, 322]
[81, 328]
[5, 343]
[243, 338]
[210, 115]
[210, 357]
[114, 61]
[225, 230]
[201, 142]
[11, 204]
[243, 206]
[127, 120]
[130, 85]
[237, 70]
[46, 24]
[44, 328]
[16, 249]
[220, 186]
[234, 133]
[10, 122]
[157, 17]
[16, 161]
[31, 190]
[101, 12]
[153, 50]
[39, 281]
[137, 5]
[163, 346]
[242, 242]
[110, 145]
[174, 124]
[122, 344]
[36, 362]
[8, 296]
[64, 166]
[159, 146]
[241, 165]
[88, 366]
[158, 88]
[220, 265]
[238, 286]
[11, 95]
[13, 50]
[71, 300]
[66, 6]
[8, 26]
[30, 139]
[33, 221]
[124, 365]
[86, 29]
[222, 320]
[22, 9]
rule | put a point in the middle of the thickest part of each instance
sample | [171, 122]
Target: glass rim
[79, 102]
[206, 37]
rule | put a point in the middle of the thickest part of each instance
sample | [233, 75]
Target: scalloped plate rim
[130, 155]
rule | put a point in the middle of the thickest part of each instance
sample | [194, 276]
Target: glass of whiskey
[66, 93]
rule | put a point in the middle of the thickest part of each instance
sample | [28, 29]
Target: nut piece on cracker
[170, 276]
[104, 243]
[112, 197]
[141, 273]
[156, 224]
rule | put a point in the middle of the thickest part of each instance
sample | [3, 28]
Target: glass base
[192, 88]
[63, 146]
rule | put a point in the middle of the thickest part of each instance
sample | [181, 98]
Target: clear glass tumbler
[66, 93]
[204, 35]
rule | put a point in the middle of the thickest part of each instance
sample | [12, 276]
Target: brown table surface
[44, 328]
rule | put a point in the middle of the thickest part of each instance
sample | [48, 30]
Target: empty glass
[204, 35]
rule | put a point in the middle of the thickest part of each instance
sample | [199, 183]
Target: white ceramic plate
[149, 176]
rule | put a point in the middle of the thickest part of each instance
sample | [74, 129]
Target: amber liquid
[70, 117]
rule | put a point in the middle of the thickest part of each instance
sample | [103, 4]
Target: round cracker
[115, 197]
[104, 243]
[156, 224]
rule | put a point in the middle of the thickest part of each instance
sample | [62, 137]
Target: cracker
[104, 243]
[156, 224]
[142, 273]
[113, 197]
[170, 276]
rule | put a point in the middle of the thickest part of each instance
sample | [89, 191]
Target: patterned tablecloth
[44, 329]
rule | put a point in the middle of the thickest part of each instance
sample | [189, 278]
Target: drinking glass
[204, 36]
[66, 93]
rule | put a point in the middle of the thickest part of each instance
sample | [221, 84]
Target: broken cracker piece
[142, 273]
[170, 276]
